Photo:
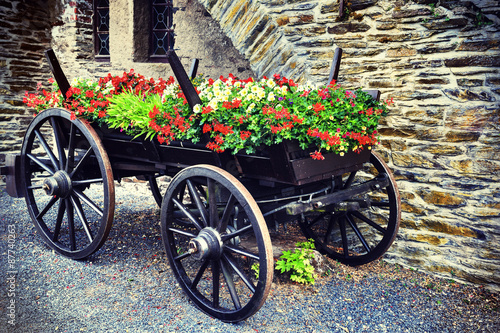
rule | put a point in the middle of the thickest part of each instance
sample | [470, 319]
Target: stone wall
[24, 34]
[439, 60]
[28, 28]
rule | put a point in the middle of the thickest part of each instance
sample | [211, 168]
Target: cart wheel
[217, 242]
[361, 229]
[68, 183]
[155, 188]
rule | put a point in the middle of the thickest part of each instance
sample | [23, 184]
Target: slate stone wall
[439, 60]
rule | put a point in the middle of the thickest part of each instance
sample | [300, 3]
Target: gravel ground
[128, 286]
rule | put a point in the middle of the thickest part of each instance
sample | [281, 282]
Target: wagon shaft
[296, 208]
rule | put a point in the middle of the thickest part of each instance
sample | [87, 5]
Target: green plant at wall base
[298, 263]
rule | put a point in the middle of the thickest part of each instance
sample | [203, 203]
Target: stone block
[418, 210]
[413, 160]
[401, 52]
[301, 19]
[462, 136]
[314, 31]
[493, 81]
[462, 166]
[488, 167]
[471, 118]
[396, 132]
[399, 14]
[447, 228]
[368, 52]
[343, 28]
[333, 7]
[446, 24]
[386, 25]
[429, 239]
[470, 82]
[356, 5]
[478, 45]
[383, 83]
[436, 48]
[466, 95]
[472, 61]
[316, 42]
[444, 149]
[432, 81]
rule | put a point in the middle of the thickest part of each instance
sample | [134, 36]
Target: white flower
[271, 97]
[197, 108]
[213, 104]
[244, 92]
[250, 107]
[250, 97]
[261, 93]
[271, 83]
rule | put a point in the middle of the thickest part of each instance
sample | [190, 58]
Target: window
[161, 33]
[101, 30]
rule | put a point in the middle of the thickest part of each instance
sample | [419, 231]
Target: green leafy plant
[235, 115]
[298, 262]
[255, 267]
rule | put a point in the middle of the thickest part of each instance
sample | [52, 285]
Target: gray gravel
[128, 286]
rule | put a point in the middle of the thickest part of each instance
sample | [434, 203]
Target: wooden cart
[216, 208]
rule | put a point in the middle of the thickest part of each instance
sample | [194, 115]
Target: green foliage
[298, 263]
[256, 267]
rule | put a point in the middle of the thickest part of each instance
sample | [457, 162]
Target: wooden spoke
[59, 218]
[196, 197]
[242, 275]
[199, 274]
[40, 163]
[88, 201]
[212, 204]
[242, 252]
[81, 215]
[358, 233]
[81, 162]
[215, 283]
[188, 214]
[363, 218]
[59, 143]
[47, 207]
[226, 215]
[228, 277]
[47, 149]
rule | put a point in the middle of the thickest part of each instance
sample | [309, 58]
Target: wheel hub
[59, 184]
[207, 245]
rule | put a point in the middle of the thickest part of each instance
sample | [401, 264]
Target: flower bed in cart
[240, 116]
[235, 115]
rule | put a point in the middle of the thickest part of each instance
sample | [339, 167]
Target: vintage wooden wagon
[216, 209]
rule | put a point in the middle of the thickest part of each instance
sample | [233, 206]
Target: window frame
[96, 33]
[168, 31]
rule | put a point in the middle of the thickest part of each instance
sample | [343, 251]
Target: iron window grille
[162, 32]
[101, 30]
